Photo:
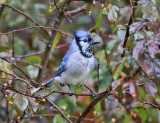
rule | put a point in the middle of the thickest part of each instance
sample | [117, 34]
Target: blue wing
[63, 65]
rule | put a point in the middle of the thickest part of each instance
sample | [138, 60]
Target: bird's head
[85, 42]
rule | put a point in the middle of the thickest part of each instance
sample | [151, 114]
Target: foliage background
[128, 60]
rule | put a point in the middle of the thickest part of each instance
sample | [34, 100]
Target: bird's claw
[94, 94]
[71, 93]
[61, 84]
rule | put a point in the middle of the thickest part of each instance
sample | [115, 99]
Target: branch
[131, 20]
[148, 103]
[75, 11]
[16, 77]
[27, 63]
[27, 28]
[10, 62]
[51, 92]
[93, 103]
[63, 115]
[31, 19]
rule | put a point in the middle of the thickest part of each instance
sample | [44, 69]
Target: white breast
[78, 70]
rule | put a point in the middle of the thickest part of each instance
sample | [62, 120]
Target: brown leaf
[132, 90]
[138, 49]
[146, 64]
[151, 87]
[153, 48]
[126, 84]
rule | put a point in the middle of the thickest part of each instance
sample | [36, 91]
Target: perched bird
[77, 64]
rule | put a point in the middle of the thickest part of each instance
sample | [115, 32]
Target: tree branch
[131, 20]
[63, 115]
[27, 28]
[93, 103]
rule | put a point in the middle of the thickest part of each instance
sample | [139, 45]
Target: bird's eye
[85, 40]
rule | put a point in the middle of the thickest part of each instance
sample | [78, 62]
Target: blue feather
[65, 61]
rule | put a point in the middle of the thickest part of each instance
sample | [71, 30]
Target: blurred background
[23, 52]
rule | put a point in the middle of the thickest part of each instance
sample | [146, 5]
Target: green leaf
[104, 11]
[97, 107]
[34, 59]
[127, 119]
[142, 93]
[56, 40]
[98, 19]
[115, 8]
[143, 114]
[59, 119]
[118, 69]
[157, 99]
[112, 15]
[80, 106]
[20, 103]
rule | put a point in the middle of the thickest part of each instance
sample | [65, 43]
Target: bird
[77, 64]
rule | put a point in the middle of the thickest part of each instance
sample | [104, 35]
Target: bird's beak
[95, 42]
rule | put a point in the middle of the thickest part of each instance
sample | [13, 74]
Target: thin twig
[47, 18]
[60, 111]
[16, 77]
[131, 20]
[27, 63]
[148, 103]
[27, 28]
[16, 67]
[75, 11]
[23, 56]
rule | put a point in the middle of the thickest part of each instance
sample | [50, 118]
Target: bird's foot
[71, 92]
[94, 94]
[61, 84]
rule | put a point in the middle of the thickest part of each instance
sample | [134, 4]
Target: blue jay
[77, 64]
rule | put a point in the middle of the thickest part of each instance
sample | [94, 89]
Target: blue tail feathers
[46, 84]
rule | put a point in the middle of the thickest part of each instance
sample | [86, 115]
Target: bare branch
[63, 115]
[75, 11]
[93, 103]
[131, 20]
[16, 77]
[148, 103]
[16, 67]
[27, 28]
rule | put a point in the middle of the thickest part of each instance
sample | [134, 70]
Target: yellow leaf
[56, 40]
